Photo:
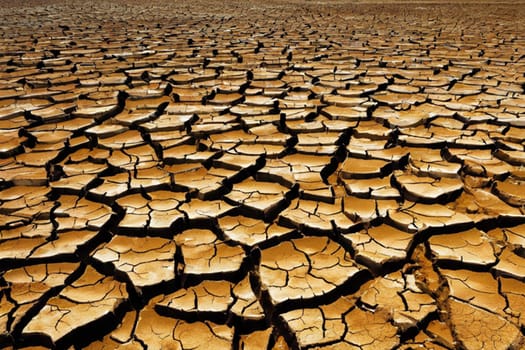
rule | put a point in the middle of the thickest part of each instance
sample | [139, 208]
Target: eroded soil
[262, 175]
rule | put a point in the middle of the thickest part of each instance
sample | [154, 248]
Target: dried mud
[262, 175]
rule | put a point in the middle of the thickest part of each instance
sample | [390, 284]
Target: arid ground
[262, 175]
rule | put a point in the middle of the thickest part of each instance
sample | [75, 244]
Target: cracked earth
[262, 175]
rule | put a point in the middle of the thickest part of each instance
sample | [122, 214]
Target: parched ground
[262, 175]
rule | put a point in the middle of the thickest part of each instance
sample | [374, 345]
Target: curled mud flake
[372, 130]
[105, 130]
[350, 113]
[316, 216]
[515, 236]
[38, 211]
[186, 153]
[133, 158]
[67, 244]
[166, 139]
[362, 210]
[6, 308]
[376, 188]
[318, 143]
[235, 137]
[355, 168]
[510, 264]
[467, 247]
[249, 231]
[259, 198]
[135, 116]
[29, 284]
[419, 217]
[20, 197]
[421, 136]
[90, 299]
[198, 209]
[123, 333]
[479, 162]
[394, 98]
[136, 211]
[477, 288]
[161, 332]
[246, 304]
[399, 296]
[427, 189]
[237, 162]
[259, 100]
[481, 205]
[206, 297]
[360, 147]
[267, 133]
[343, 101]
[94, 112]
[367, 330]
[108, 343]
[126, 139]
[510, 191]
[205, 253]
[146, 261]
[20, 249]
[512, 157]
[394, 154]
[243, 110]
[38, 228]
[476, 328]
[73, 184]
[158, 213]
[321, 325]
[270, 150]
[305, 268]
[147, 91]
[423, 341]
[404, 89]
[22, 175]
[11, 143]
[512, 290]
[194, 108]
[318, 191]
[294, 168]
[379, 246]
[51, 136]
[429, 162]
[74, 213]
[207, 182]
[411, 117]
[440, 333]
[214, 297]
[91, 156]
[150, 179]
[255, 340]
[358, 89]
[305, 130]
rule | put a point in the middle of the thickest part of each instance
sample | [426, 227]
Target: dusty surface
[262, 175]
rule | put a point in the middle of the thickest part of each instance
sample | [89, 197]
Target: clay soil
[262, 175]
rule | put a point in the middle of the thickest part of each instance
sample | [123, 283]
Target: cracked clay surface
[262, 175]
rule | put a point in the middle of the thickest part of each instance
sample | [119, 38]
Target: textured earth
[262, 175]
